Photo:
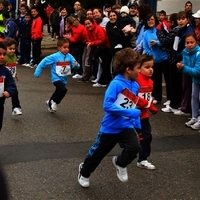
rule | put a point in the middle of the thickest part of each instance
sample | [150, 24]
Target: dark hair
[99, 9]
[34, 8]
[107, 5]
[146, 58]
[162, 12]
[191, 35]
[113, 11]
[62, 8]
[188, 2]
[144, 10]
[91, 20]
[8, 41]
[2, 46]
[23, 5]
[6, 14]
[173, 18]
[28, 14]
[148, 17]
[62, 41]
[182, 14]
[125, 58]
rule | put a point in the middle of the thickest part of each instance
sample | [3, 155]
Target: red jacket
[97, 37]
[79, 34]
[146, 88]
[36, 28]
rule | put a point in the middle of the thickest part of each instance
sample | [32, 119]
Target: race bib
[176, 41]
[145, 93]
[126, 99]
[63, 68]
[12, 68]
[1, 85]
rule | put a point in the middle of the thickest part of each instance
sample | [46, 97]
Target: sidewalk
[47, 43]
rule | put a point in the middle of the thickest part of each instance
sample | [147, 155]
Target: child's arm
[73, 62]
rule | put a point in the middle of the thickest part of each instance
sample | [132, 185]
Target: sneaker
[98, 85]
[146, 165]
[17, 111]
[156, 101]
[25, 64]
[191, 122]
[119, 46]
[77, 76]
[52, 39]
[94, 81]
[121, 171]
[168, 109]
[83, 80]
[49, 108]
[196, 126]
[84, 182]
[167, 103]
[179, 112]
[53, 105]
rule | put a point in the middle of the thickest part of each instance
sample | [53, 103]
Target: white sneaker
[77, 76]
[146, 165]
[25, 64]
[49, 109]
[84, 182]
[17, 111]
[53, 105]
[121, 171]
[118, 46]
[52, 39]
[179, 112]
[168, 109]
[156, 101]
[191, 122]
[167, 103]
[98, 85]
[94, 81]
[196, 126]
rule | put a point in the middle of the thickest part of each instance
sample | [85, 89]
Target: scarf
[62, 26]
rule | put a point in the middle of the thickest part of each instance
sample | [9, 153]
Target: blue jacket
[10, 28]
[117, 118]
[9, 83]
[52, 60]
[156, 50]
[191, 61]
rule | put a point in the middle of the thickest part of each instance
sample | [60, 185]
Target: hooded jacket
[36, 28]
[10, 28]
[118, 118]
[191, 61]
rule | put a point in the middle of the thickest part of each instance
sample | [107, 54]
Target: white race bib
[63, 68]
[2, 80]
[145, 93]
[12, 68]
[126, 99]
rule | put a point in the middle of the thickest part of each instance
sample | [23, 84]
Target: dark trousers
[59, 93]
[15, 100]
[104, 143]
[160, 69]
[145, 139]
[53, 31]
[1, 113]
[106, 58]
[175, 78]
[37, 50]
[186, 93]
[27, 51]
[95, 53]
[21, 49]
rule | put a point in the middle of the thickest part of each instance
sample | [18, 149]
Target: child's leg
[1, 113]
[59, 93]
[146, 140]
[195, 100]
[15, 100]
[102, 146]
[128, 140]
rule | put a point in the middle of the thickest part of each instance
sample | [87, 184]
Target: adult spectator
[48, 11]
[188, 10]
[77, 8]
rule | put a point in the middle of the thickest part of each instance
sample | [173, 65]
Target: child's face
[161, 17]
[27, 18]
[11, 50]
[147, 68]
[34, 12]
[182, 22]
[132, 74]
[123, 14]
[22, 10]
[190, 43]
[1, 6]
[64, 48]
[2, 56]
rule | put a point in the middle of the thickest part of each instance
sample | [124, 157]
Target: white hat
[124, 9]
[197, 14]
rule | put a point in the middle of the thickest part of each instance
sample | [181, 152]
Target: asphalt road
[40, 151]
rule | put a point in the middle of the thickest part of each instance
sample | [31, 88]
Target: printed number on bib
[12, 67]
[126, 99]
[63, 68]
[2, 79]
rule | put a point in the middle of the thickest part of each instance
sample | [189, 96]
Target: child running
[61, 63]
[191, 66]
[11, 63]
[7, 84]
[120, 119]
[146, 87]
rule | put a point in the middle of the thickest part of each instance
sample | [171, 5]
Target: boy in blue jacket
[120, 119]
[7, 84]
[61, 63]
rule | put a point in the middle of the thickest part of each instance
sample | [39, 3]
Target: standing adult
[188, 10]
[77, 8]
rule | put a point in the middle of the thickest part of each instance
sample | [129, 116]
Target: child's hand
[75, 63]
[6, 94]
[88, 45]
[179, 65]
